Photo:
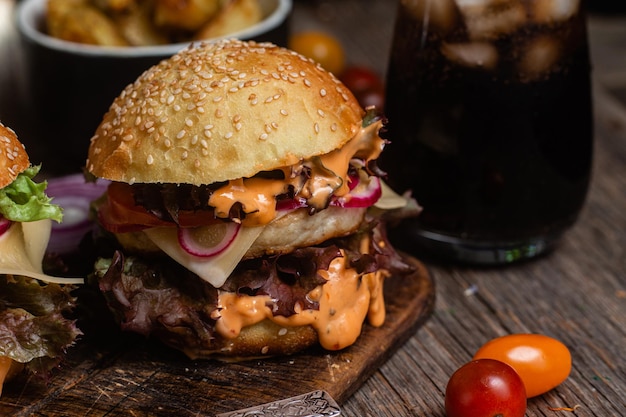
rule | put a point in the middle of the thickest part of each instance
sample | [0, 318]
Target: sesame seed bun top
[13, 156]
[220, 111]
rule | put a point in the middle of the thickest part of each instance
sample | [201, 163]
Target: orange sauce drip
[329, 176]
[345, 301]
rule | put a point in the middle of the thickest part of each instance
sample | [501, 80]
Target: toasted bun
[221, 111]
[262, 339]
[13, 156]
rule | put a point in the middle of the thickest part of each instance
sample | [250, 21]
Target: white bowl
[31, 15]
[69, 86]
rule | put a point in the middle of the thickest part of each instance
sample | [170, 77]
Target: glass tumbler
[489, 111]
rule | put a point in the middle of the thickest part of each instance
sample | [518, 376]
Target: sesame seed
[228, 135]
[307, 82]
[263, 136]
[204, 143]
[189, 122]
[284, 112]
[316, 126]
[181, 134]
[128, 137]
[282, 332]
[150, 160]
[238, 127]
[323, 92]
[333, 127]
[321, 113]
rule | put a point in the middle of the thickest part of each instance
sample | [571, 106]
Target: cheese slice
[215, 269]
[22, 248]
[389, 199]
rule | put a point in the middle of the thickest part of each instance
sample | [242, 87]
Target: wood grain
[122, 375]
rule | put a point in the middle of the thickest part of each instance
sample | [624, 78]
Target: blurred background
[347, 22]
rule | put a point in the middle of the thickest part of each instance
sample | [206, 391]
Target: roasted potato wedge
[184, 14]
[83, 23]
[233, 17]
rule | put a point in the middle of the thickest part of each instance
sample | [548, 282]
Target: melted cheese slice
[22, 248]
[215, 269]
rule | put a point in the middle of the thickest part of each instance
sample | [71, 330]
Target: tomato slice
[120, 214]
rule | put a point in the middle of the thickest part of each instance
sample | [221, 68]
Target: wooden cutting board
[114, 374]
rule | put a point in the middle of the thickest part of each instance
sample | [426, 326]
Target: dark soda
[490, 126]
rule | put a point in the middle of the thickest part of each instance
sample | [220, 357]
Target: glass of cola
[489, 111]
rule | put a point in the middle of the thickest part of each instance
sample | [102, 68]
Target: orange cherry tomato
[541, 361]
[320, 47]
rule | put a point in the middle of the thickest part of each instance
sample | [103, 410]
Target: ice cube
[472, 54]
[549, 11]
[441, 14]
[539, 57]
[489, 19]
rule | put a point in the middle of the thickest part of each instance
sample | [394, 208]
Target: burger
[245, 204]
[33, 305]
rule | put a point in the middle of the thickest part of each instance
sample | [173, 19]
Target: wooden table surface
[576, 294]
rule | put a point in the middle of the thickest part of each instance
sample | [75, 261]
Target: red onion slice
[207, 241]
[75, 195]
[4, 225]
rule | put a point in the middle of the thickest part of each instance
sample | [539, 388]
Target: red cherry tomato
[485, 388]
[320, 47]
[359, 78]
[541, 361]
[365, 84]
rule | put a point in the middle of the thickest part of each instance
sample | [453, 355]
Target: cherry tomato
[321, 47]
[359, 78]
[485, 388]
[541, 361]
[365, 84]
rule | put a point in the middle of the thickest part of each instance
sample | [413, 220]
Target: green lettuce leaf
[24, 200]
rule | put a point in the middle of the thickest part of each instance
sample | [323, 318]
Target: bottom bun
[262, 339]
